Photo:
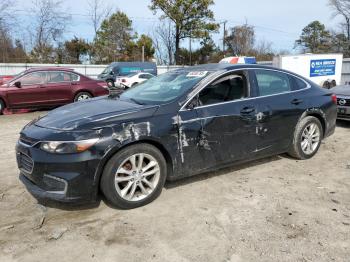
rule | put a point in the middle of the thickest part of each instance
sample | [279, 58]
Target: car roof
[50, 69]
[225, 66]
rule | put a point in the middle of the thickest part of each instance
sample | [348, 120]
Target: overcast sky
[278, 21]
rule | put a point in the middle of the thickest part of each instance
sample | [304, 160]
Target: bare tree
[98, 11]
[49, 25]
[164, 42]
[7, 13]
[241, 39]
[342, 8]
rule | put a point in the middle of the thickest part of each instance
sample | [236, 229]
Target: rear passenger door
[59, 87]
[279, 107]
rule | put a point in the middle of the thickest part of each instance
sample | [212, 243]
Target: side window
[272, 82]
[145, 76]
[35, 78]
[57, 77]
[227, 88]
[74, 77]
[298, 84]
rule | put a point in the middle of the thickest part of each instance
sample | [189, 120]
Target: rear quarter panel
[321, 104]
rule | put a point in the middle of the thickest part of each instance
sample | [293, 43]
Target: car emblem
[342, 102]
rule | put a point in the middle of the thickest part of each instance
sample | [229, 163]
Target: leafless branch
[98, 11]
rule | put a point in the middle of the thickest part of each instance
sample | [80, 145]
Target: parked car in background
[121, 69]
[343, 101]
[48, 87]
[179, 124]
[132, 79]
[4, 79]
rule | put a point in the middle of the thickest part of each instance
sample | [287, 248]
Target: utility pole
[191, 46]
[143, 53]
[223, 40]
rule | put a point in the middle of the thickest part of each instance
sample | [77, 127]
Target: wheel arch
[116, 149]
[319, 114]
[81, 91]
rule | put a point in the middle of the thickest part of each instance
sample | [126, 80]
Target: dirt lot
[276, 209]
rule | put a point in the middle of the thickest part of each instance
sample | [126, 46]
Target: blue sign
[322, 67]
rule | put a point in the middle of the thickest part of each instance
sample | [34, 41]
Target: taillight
[334, 99]
[123, 80]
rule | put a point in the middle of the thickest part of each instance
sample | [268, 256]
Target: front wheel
[134, 177]
[82, 96]
[307, 138]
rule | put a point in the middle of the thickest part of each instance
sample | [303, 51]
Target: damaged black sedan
[179, 124]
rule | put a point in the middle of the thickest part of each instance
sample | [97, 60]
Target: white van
[323, 69]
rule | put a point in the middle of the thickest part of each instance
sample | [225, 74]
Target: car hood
[341, 90]
[94, 113]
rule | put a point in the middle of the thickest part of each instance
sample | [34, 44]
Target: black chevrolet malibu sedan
[179, 124]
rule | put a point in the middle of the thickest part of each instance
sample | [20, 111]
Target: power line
[220, 20]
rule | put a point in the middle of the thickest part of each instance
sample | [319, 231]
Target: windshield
[107, 70]
[164, 88]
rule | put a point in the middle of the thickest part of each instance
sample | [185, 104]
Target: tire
[2, 106]
[134, 84]
[82, 96]
[110, 83]
[131, 183]
[303, 136]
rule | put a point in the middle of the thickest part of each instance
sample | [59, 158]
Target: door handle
[73, 83]
[42, 86]
[247, 110]
[296, 101]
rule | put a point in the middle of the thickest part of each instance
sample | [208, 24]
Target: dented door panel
[228, 131]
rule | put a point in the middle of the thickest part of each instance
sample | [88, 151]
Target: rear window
[298, 84]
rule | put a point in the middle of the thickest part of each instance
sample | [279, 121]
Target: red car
[48, 87]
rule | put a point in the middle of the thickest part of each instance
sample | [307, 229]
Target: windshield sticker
[197, 74]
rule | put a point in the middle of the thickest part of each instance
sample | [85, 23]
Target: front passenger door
[31, 93]
[225, 122]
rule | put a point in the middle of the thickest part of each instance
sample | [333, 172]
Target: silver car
[343, 101]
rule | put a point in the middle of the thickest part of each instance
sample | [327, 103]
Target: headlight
[67, 147]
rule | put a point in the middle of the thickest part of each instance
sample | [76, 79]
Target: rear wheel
[82, 96]
[134, 177]
[307, 138]
[2, 106]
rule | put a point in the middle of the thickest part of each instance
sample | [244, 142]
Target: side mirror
[17, 84]
[111, 73]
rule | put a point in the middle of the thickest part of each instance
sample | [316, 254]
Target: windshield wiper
[136, 101]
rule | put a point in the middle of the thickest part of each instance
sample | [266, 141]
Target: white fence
[89, 70]
[94, 70]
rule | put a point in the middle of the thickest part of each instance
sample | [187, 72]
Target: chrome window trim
[183, 108]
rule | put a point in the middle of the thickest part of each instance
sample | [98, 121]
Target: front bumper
[343, 113]
[62, 178]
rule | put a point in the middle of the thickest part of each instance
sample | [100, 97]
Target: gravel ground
[275, 209]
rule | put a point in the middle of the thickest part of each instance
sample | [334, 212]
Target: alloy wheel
[83, 97]
[137, 177]
[310, 138]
